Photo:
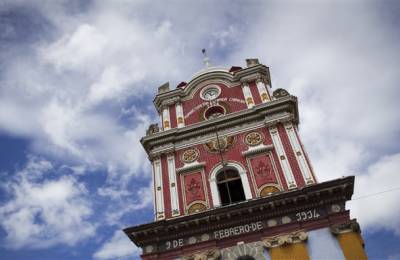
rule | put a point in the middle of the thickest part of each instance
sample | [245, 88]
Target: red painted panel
[263, 170]
[193, 185]
[268, 140]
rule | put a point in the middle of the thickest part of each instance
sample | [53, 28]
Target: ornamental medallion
[253, 138]
[190, 155]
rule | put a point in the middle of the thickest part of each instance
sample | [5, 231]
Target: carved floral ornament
[224, 143]
[291, 238]
[190, 155]
[253, 138]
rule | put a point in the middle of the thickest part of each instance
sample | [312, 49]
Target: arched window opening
[230, 187]
[245, 257]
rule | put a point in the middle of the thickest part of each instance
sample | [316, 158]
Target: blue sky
[77, 79]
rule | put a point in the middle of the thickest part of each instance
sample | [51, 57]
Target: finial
[206, 59]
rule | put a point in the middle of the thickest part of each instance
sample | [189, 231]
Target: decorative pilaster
[172, 185]
[158, 186]
[166, 118]
[179, 115]
[300, 158]
[262, 91]
[287, 171]
[247, 95]
[350, 240]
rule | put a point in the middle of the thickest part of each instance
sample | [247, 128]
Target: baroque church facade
[232, 179]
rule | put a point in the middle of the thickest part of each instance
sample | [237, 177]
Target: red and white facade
[232, 179]
[267, 153]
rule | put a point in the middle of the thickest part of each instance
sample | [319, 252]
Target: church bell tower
[232, 180]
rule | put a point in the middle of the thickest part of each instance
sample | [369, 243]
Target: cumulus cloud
[44, 210]
[374, 208]
[81, 75]
[118, 247]
[125, 201]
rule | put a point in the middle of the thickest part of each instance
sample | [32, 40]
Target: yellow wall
[352, 246]
[296, 251]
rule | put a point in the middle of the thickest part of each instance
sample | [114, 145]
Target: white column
[301, 160]
[172, 185]
[262, 90]
[179, 115]
[287, 171]
[247, 95]
[158, 184]
[214, 192]
[166, 120]
[246, 185]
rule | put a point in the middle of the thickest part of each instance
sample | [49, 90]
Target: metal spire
[206, 60]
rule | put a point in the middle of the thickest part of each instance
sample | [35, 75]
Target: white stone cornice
[191, 166]
[257, 149]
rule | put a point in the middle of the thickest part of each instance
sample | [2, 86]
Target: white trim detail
[179, 115]
[262, 90]
[173, 189]
[301, 160]
[158, 185]
[247, 95]
[287, 171]
[213, 182]
[166, 120]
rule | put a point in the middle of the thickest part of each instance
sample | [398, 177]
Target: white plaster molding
[257, 149]
[191, 166]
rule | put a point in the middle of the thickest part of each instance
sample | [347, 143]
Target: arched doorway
[230, 187]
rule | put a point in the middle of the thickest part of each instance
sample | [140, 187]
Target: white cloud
[44, 211]
[125, 201]
[380, 211]
[84, 46]
[118, 247]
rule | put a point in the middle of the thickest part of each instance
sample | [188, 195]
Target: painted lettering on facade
[234, 231]
[205, 104]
